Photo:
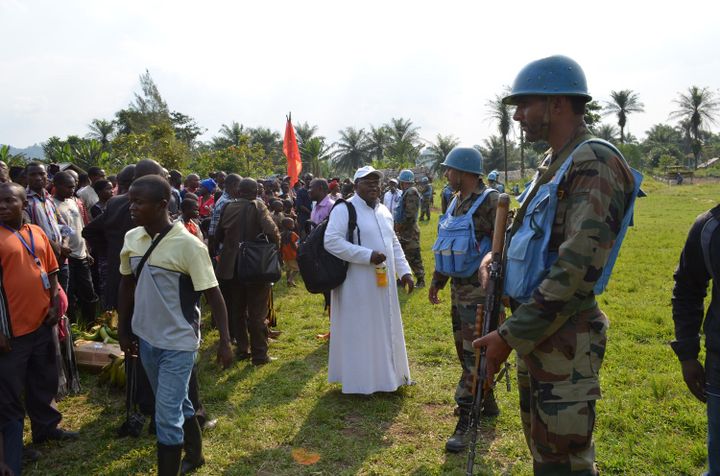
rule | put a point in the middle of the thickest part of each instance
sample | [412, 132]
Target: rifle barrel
[489, 313]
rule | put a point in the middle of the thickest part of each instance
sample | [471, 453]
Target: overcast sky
[337, 63]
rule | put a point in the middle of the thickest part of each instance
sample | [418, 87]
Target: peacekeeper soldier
[406, 225]
[558, 331]
[494, 183]
[427, 198]
[463, 169]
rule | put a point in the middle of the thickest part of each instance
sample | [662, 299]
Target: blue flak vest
[399, 212]
[528, 256]
[457, 252]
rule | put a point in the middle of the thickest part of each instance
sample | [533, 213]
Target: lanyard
[31, 247]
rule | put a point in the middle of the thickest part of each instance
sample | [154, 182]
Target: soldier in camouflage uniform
[560, 334]
[463, 167]
[426, 195]
[406, 225]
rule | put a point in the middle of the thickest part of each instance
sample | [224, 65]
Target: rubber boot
[458, 441]
[193, 446]
[169, 457]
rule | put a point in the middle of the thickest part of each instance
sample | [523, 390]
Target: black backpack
[320, 270]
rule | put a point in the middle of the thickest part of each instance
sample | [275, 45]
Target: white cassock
[367, 344]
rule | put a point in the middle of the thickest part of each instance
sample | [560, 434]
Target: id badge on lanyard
[43, 275]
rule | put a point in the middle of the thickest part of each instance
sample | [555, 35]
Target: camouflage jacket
[426, 194]
[592, 202]
[468, 290]
[407, 229]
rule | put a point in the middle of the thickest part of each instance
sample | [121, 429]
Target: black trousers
[80, 291]
[30, 368]
[247, 310]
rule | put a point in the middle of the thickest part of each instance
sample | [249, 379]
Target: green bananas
[98, 333]
[113, 373]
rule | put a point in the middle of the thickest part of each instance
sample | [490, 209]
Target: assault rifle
[488, 319]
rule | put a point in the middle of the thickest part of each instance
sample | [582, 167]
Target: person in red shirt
[190, 209]
[206, 199]
[288, 249]
[28, 267]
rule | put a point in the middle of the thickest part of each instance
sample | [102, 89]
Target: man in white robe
[367, 349]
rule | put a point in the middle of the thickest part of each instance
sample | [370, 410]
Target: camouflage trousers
[463, 326]
[558, 386]
[424, 211]
[412, 255]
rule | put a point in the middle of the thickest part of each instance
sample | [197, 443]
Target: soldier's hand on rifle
[407, 280]
[497, 352]
[484, 270]
[376, 257]
[694, 376]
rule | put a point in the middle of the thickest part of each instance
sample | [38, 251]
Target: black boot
[168, 457]
[458, 441]
[193, 446]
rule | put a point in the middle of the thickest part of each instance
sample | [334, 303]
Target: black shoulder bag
[145, 257]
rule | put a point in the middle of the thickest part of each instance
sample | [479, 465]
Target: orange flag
[291, 151]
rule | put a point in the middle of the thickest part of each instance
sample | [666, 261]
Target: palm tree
[378, 140]
[305, 132]
[607, 131]
[88, 153]
[442, 147]
[229, 136]
[662, 140]
[404, 141]
[500, 112]
[352, 151]
[623, 103]
[12, 159]
[267, 138]
[698, 107]
[102, 131]
[493, 152]
[316, 153]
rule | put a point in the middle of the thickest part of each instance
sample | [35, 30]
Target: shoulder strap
[451, 207]
[145, 257]
[480, 200]
[705, 238]
[352, 219]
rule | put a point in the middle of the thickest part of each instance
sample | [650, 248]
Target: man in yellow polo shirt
[164, 270]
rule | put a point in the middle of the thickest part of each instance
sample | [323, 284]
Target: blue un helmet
[406, 176]
[465, 159]
[493, 176]
[552, 76]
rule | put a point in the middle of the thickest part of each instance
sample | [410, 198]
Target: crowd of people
[89, 245]
[150, 242]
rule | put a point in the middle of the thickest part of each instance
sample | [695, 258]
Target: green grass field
[647, 421]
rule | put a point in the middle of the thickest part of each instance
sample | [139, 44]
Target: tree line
[148, 128]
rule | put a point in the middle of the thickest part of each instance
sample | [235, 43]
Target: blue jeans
[169, 374]
[713, 413]
[12, 433]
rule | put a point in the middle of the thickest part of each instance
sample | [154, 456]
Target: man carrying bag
[240, 223]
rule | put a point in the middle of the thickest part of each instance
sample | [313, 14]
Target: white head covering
[363, 172]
